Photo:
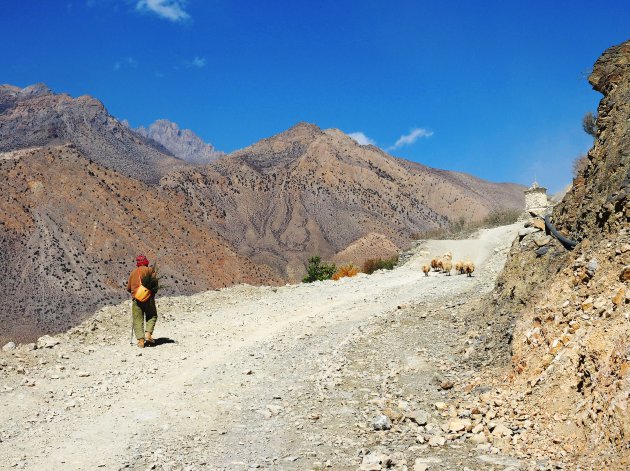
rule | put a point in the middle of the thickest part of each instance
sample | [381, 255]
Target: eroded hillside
[69, 232]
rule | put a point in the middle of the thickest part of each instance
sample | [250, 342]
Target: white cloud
[412, 137]
[198, 62]
[172, 10]
[362, 138]
[127, 62]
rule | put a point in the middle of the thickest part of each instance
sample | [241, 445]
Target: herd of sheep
[444, 264]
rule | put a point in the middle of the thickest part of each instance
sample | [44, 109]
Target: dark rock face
[600, 195]
[182, 143]
[36, 117]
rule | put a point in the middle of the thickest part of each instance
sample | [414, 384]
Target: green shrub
[373, 264]
[318, 271]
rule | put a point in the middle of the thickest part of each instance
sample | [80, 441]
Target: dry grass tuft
[346, 271]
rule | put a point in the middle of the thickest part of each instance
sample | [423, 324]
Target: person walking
[142, 309]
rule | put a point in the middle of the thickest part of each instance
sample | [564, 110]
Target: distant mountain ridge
[35, 116]
[182, 143]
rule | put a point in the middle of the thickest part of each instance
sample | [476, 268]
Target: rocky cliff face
[182, 143]
[69, 233]
[309, 191]
[36, 117]
[570, 363]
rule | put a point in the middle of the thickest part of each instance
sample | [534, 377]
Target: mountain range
[312, 191]
[86, 193]
[35, 116]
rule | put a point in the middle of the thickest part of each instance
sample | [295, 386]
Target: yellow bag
[142, 293]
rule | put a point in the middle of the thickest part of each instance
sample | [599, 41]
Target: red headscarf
[141, 260]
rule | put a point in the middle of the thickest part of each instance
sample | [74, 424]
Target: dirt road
[254, 377]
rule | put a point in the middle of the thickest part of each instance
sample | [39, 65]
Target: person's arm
[129, 284]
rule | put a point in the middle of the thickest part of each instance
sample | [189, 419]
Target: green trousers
[140, 311]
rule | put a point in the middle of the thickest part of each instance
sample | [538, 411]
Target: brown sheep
[469, 267]
[439, 264]
[426, 269]
[447, 266]
[459, 267]
[434, 264]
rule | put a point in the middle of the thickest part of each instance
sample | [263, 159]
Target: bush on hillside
[373, 264]
[318, 271]
[579, 164]
[589, 124]
[345, 271]
[501, 218]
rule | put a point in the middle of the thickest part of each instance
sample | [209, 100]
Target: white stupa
[536, 201]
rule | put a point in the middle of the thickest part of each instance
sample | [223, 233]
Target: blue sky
[493, 88]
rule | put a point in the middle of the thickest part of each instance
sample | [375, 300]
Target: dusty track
[277, 378]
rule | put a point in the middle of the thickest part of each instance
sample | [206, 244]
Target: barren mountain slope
[307, 191]
[182, 143]
[34, 116]
[69, 233]
[571, 345]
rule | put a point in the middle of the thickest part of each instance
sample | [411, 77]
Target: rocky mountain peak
[36, 89]
[183, 143]
[300, 132]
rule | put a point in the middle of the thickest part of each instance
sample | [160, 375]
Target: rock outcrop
[182, 143]
[570, 363]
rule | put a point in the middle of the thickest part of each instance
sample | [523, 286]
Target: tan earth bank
[571, 347]
[295, 377]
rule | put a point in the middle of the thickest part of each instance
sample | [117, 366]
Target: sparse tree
[579, 164]
[589, 124]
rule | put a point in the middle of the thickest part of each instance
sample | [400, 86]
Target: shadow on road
[161, 341]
